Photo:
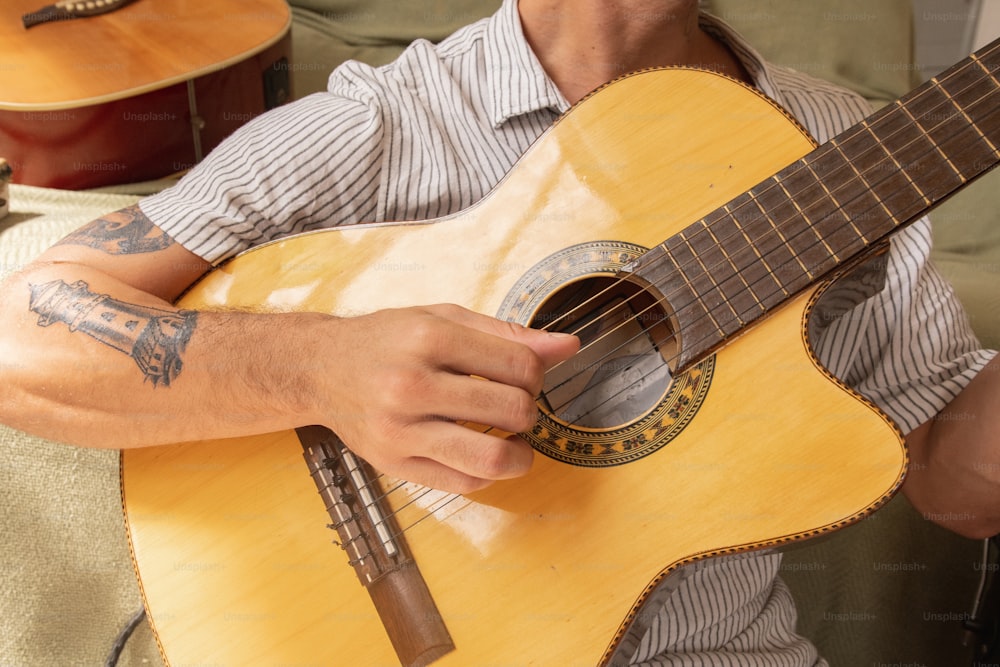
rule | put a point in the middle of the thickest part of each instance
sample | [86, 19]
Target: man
[423, 137]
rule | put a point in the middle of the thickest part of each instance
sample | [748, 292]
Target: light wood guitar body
[229, 537]
[139, 93]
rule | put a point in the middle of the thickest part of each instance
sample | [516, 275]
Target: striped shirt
[434, 131]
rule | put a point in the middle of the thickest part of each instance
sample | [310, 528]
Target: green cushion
[967, 250]
[325, 34]
[862, 45]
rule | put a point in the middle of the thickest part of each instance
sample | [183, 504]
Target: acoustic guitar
[688, 230]
[137, 93]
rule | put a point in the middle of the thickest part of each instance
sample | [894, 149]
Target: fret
[745, 255]
[658, 267]
[899, 143]
[830, 207]
[987, 67]
[740, 291]
[987, 126]
[722, 313]
[907, 150]
[968, 97]
[866, 214]
[861, 216]
[955, 177]
[808, 199]
[702, 289]
[795, 272]
[845, 223]
[967, 88]
[989, 56]
[781, 263]
[952, 132]
[827, 219]
[726, 276]
[695, 326]
[879, 172]
[776, 201]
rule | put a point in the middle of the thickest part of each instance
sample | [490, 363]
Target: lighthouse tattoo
[153, 337]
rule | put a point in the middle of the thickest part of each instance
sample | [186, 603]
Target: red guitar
[137, 93]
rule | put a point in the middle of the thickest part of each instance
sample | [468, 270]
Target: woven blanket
[66, 581]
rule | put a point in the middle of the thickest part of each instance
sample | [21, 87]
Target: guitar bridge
[368, 533]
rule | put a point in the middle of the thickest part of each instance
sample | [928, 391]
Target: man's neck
[583, 44]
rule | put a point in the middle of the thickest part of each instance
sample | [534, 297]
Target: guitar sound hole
[627, 346]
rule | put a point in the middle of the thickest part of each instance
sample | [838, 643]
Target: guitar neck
[838, 203]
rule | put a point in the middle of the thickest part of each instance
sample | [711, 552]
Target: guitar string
[946, 103]
[640, 334]
[434, 509]
[749, 286]
[879, 167]
[941, 79]
[371, 507]
[773, 233]
[883, 160]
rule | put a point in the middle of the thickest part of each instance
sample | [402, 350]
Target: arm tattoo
[124, 232]
[154, 338]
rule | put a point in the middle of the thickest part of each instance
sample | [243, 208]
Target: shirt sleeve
[309, 164]
[910, 348]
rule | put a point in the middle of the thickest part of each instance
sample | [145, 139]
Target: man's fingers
[459, 459]
[480, 455]
[474, 400]
[413, 373]
[503, 351]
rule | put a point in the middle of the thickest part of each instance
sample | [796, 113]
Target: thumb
[551, 347]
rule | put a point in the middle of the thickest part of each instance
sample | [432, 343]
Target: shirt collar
[517, 80]
[520, 85]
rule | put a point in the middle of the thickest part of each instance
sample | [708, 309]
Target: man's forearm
[90, 361]
[155, 338]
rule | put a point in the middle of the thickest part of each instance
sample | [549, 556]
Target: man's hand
[954, 477]
[406, 377]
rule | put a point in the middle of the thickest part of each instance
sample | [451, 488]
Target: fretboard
[836, 204]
